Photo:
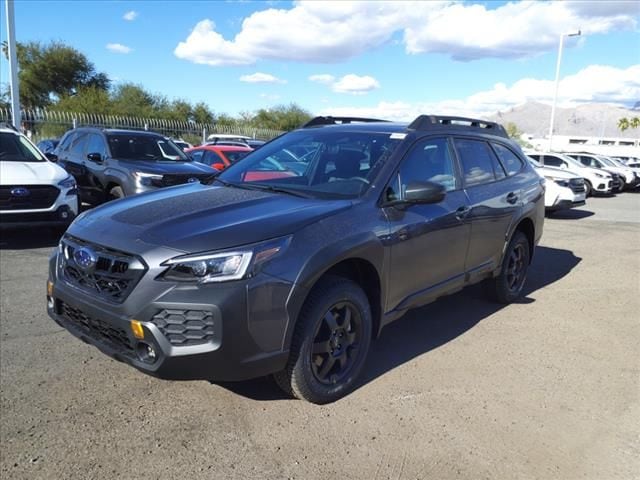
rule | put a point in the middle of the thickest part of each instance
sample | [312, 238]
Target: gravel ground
[546, 388]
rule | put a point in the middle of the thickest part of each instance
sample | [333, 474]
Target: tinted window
[196, 155]
[510, 161]
[211, 157]
[15, 148]
[479, 164]
[96, 145]
[66, 141]
[235, 156]
[144, 147]
[552, 161]
[78, 144]
[430, 160]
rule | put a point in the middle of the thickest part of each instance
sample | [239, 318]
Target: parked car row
[599, 175]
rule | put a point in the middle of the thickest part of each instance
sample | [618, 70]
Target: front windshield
[535, 163]
[128, 146]
[316, 163]
[16, 148]
[572, 161]
[607, 162]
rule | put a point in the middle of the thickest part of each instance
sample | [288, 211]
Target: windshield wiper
[272, 188]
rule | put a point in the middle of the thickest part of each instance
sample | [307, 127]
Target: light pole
[555, 95]
[13, 65]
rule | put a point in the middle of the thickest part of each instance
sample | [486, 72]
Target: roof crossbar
[329, 120]
[428, 122]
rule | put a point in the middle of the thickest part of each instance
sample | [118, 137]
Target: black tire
[507, 287]
[336, 319]
[587, 188]
[115, 193]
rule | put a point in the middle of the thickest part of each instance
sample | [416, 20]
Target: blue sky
[372, 58]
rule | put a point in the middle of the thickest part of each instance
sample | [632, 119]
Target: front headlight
[222, 266]
[560, 181]
[68, 182]
[147, 179]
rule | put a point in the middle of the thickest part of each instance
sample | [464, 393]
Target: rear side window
[551, 161]
[211, 157]
[479, 164]
[510, 161]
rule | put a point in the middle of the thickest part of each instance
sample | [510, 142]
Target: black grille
[27, 197]
[178, 179]
[95, 328]
[113, 277]
[185, 327]
[577, 185]
[616, 182]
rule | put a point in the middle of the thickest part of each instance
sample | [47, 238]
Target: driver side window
[428, 160]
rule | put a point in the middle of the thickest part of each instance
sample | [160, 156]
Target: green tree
[48, 72]
[86, 100]
[202, 113]
[623, 124]
[132, 100]
[634, 122]
[281, 117]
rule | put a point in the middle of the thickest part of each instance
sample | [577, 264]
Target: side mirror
[51, 157]
[424, 192]
[94, 157]
[218, 166]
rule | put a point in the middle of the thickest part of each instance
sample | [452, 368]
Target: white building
[611, 146]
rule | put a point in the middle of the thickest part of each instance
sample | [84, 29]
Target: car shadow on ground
[429, 327]
[570, 214]
[27, 238]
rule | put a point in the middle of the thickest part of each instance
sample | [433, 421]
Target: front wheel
[508, 285]
[587, 188]
[330, 342]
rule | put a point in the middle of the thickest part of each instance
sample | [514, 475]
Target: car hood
[196, 218]
[557, 172]
[31, 173]
[163, 168]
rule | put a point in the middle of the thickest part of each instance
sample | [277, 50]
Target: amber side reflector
[136, 328]
[50, 288]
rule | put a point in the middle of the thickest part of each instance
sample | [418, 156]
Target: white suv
[596, 180]
[33, 190]
[600, 161]
[563, 189]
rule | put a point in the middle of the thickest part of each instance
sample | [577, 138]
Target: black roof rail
[9, 125]
[329, 120]
[427, 122]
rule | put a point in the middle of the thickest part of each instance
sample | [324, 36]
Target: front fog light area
[146, 352]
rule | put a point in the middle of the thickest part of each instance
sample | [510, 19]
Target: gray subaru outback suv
[293, 259]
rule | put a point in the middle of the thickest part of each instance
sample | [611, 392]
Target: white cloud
[595, 83]
[352, 84]
[270, 96]
[118, 48]
[324, 79]
[130, 16]
[329, 32]
[259, 77]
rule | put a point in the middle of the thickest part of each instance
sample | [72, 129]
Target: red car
[218, 157]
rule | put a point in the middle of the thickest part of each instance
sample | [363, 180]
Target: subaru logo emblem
[192, 180]
[85, 258]
[20, 192]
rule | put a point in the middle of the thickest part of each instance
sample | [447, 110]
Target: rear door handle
[462, 212]
[512, 198]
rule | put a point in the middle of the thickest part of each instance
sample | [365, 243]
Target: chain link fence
[42, 123]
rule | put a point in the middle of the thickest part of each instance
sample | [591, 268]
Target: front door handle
[462, 212]
[512, 198]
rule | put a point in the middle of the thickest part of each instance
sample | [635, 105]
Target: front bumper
[244, 325]
[63, 215]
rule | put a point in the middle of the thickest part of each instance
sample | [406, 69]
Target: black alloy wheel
[508, 285]
[330, 342]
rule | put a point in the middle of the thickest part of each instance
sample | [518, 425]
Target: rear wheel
[507, 286]
[115, 193]
[330, 343]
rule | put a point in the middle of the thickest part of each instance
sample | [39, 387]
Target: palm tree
[634, 122]
[623, 124]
